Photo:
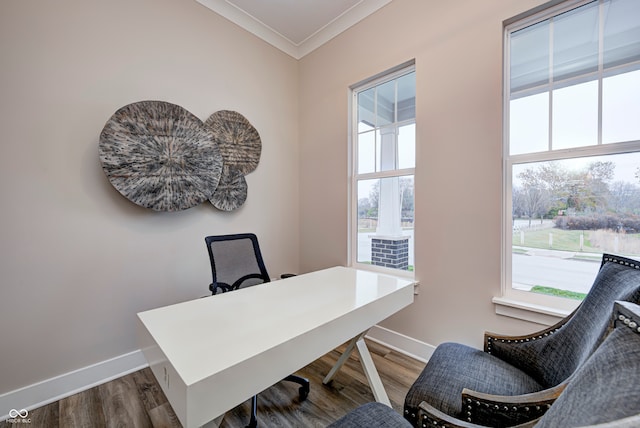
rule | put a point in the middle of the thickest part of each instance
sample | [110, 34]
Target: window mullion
[600, 66]
[551, 81]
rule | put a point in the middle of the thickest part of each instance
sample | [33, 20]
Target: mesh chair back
[236, 262]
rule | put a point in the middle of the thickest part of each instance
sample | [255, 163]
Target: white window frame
[354, 177]
[525, 305]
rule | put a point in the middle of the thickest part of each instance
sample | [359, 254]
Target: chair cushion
[454, 366]
[606, 388]
[371, 415]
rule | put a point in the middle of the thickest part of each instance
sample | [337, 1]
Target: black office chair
[236, 262]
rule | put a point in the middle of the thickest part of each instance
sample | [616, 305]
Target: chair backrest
[607, 387]
[553, 358]
[236, 262]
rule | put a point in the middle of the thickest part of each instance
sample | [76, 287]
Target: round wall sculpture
[160, 156]
[240, 146]
[238, 140]
[232, 190]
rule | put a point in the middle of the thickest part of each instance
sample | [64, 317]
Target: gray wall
[78, 259]
[457, 46]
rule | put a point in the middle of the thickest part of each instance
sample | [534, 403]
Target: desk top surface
[206, 335]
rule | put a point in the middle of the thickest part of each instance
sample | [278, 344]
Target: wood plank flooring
[136, 400]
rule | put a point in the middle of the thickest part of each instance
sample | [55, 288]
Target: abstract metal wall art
[160, 156]
[232, 190]
[241, 147]
[238, 140]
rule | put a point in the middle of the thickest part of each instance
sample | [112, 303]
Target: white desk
[211, 354]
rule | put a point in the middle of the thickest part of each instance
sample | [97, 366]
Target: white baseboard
[399, 342]
[50, 390]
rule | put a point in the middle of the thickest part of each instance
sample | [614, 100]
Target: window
[382, 185]
[571, 147]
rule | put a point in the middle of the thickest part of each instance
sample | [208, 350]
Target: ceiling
[296, 27]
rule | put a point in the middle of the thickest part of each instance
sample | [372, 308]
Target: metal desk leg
[343, 358]
[368, 366]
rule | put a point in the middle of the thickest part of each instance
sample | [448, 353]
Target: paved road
[547, 268]
[552, 271]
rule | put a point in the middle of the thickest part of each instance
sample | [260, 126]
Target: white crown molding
[271, 36]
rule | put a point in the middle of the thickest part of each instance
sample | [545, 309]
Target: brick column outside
[390, 252]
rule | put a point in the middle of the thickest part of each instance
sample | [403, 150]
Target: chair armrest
[506, 410]
[490, 337]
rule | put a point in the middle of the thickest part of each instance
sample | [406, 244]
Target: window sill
[535, 313]
[409, 274]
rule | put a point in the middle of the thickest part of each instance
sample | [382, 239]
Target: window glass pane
[407, 146]
[566, 213]
[366, 110]
[621, 107]
[366, 152]
[363, 127]
[386, 103]
[388, 148]
[575, 116]
[385, 222]
[529, 124]
[368, 195]
[406, 97]
[529, 56]
[621, 32]
[575, 42]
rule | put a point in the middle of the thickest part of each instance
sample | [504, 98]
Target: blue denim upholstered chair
[604, 392]
[516, 378]
[372, 415]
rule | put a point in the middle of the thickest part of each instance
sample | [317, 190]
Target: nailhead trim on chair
[629, 323]
[539, 409]
[428, 421]
[621, 262]
[491, 339]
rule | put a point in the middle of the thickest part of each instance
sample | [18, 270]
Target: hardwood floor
[136, 400]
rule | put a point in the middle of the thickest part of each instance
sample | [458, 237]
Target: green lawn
[565, 240]
[557, 292]
[569, 240]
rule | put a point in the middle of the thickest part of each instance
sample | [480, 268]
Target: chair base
[303, 393]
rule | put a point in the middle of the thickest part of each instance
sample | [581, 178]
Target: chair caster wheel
[303, 392]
